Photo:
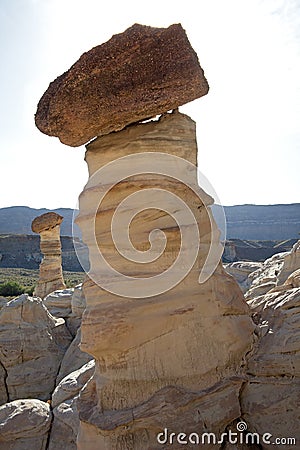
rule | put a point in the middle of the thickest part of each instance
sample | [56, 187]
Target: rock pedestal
[172, 359]
[51, 276]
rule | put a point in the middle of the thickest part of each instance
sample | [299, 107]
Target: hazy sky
[247, 126]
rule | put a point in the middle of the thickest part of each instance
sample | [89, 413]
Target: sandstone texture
[136, 75]
[241, 270]
[158, 363]
[270, 399]
[35, 347]
[271, 275]
[64, 401]
[32, 346]
[24, 424]
[270, 396]
[51, 277]
[74, 358]
[58, 302]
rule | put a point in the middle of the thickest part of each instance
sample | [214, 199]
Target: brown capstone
[46, 222]
[136, 75]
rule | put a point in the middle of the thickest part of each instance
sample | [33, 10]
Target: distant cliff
[17, 220]
[250, 222]
[24, 251]
[263, 222]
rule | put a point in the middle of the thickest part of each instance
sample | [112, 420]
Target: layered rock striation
[51, 276]
[32, 346]
[158, 363]
[172, 336]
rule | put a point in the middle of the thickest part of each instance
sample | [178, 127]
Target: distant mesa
[136, 75]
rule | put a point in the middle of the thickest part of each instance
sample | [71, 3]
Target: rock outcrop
[64, 402]
[32, 346]
[241, 270]
[270, 398]
[269, 276]
[270, 395]
[24, 424]
[51, 276]
[137, 74]
[172, 336]
[158, 350]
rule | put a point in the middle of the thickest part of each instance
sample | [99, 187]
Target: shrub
[29, 290]
[11, 288]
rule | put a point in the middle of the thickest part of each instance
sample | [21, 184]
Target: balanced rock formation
[51, 276]
[168, 328]
[169, 359]
[136, 75]
[32, 346]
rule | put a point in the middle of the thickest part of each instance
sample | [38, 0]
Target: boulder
[137, 74]
[65, 426]
[24, 424]
[59, 302]
[32, 346]
[70, 386]
[265, 278]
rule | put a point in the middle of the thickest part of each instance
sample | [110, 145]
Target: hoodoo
[51, 276]
[168, 328]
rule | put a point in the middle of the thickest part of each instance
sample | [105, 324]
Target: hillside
[17, 220]
[23, 251]
[250, 222]
[263, 222]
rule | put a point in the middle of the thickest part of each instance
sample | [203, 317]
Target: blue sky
[247, 126]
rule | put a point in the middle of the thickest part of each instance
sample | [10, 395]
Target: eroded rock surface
[241, 270]
[270, 399]
[64, 401]
[24, 424]
[58, 302]
[269, 276]
[73, 359]
[157, 359]
[51, 277]
[32, 346]
[136, 75]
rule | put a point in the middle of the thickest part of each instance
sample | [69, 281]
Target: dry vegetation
[28, 278]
